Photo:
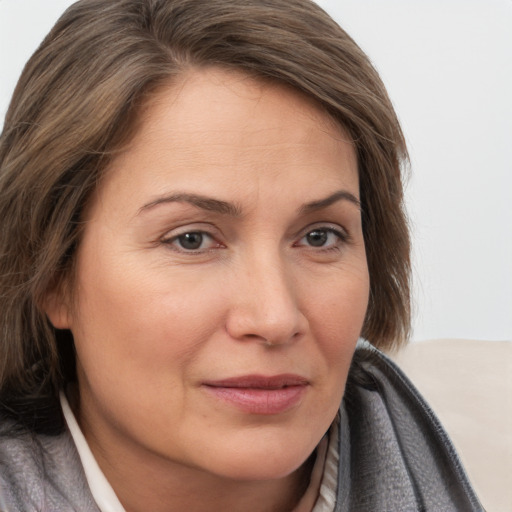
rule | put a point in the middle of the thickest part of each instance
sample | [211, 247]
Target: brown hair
[77, 102]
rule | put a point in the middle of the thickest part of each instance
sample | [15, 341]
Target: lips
[256, 394]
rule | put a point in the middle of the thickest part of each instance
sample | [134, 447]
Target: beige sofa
[469, 385]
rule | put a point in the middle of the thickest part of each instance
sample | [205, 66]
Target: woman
[202, 213]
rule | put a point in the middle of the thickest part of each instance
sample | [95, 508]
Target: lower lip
[260, 401]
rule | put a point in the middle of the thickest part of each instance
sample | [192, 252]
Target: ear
[57, 309]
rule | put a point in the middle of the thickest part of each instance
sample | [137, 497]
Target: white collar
[326, 500]
[101, 490]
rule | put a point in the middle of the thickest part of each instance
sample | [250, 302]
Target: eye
[318, 238]
[192, 241]
[323, 237]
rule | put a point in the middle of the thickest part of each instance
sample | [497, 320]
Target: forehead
[233, 100]
[214, 129]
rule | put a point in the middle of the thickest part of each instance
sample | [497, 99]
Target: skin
[153, 320]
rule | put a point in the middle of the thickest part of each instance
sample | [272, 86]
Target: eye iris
[317, 238]
[191, 241]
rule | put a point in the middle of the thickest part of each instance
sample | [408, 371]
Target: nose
[265, 305]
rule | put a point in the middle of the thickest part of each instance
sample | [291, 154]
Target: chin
[259, 459]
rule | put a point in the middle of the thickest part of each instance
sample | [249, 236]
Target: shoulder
[399, 452]
[39, 472]
[21, 468]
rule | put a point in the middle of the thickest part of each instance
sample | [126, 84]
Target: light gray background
[448, 68]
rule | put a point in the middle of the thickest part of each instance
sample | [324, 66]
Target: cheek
[336, 316]
[337, 310]
[142, 315]
[138, 343]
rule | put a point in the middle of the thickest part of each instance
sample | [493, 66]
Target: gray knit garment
[394, 455]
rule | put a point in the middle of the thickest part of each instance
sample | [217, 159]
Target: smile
[255, 394]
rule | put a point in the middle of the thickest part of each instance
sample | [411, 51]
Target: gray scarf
[394, 455]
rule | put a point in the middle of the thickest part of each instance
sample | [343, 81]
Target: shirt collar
[101, 490]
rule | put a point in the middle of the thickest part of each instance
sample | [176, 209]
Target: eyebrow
[226, 208]
[199, 201]
[340, 195]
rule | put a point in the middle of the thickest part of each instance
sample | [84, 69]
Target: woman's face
[221, 282]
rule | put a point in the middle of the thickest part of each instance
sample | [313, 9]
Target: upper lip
[259, 381]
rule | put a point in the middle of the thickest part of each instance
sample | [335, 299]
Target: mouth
[256, 394]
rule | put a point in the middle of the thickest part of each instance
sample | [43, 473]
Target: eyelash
[342, 238]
